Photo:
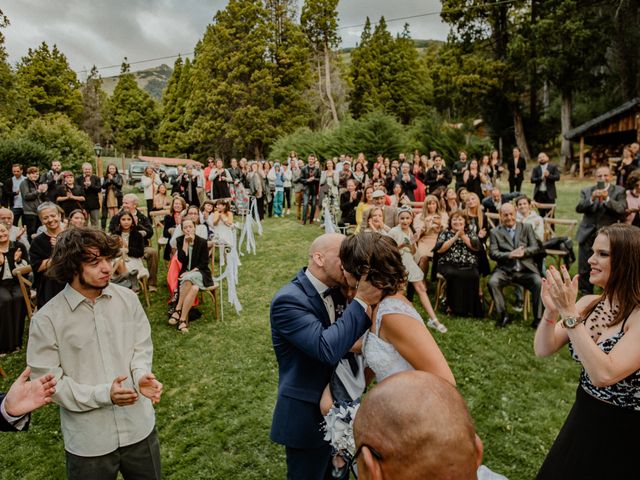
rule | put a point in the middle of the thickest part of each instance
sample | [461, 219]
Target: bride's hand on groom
[366, 292]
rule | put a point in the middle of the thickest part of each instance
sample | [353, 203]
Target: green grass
[221, 379]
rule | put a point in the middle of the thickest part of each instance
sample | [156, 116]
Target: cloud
[102, 33]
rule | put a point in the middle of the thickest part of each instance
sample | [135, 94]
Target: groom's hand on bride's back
[367, 292]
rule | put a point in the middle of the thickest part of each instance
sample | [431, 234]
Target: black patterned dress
[599, 438]
[459, 266]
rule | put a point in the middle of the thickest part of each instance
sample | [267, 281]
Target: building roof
[169, 161]
[580, 131]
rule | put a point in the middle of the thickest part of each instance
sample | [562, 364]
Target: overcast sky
[101, 33]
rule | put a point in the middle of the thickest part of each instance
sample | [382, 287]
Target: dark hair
[461, 214]
[32, 170]
[523, 197]
[378, 257]
[78, 210]
[633, 179]
[72, 250]
[623, 284]
[222, 201]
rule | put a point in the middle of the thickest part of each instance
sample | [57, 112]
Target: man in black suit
[22, 398]
[601, 205]
[516, 166]
[513, 246]
[544, 177]
[92, 186]
[459, 167]
[310, 178]
[309, 338]
[438, 175]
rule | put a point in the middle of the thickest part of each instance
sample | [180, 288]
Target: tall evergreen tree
[361, 74]
[94, 100]
[247, 78]
[171, 122]
[290, 57]
[132, 113]
[319, 20]
[49, 84]
[387, 74]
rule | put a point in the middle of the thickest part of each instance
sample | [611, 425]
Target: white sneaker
[436, 325]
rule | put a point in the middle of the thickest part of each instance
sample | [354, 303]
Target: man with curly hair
[95, 339]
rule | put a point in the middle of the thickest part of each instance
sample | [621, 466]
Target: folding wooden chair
[550, 207]
[566, 227]
[144, 285]
[28, 294]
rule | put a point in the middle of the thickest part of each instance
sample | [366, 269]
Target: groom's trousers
[308, 463]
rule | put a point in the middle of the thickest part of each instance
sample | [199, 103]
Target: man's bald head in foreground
[421, 428]
[324, 259]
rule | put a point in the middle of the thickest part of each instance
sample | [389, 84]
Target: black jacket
[91, 199]
[199, 258]
[537, 179]
[431, 178]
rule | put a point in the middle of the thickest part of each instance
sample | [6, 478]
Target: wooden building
[620, 126]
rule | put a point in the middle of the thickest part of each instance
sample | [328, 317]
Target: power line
[397, 19]
[138, 62]
[428, 14]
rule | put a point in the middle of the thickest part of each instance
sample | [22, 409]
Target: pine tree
[94, 100]
[133, 115]
[171, 123]
[361, 73]
[49, 84]
[387, 74]
[290, 57]
[246, 80]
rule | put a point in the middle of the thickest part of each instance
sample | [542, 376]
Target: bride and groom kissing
[310, 337]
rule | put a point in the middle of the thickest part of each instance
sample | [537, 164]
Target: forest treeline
[266, 77]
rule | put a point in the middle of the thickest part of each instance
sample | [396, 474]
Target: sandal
[436, 325]
[183, 326]
[173, 321]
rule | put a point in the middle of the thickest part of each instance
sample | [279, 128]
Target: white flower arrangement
[339, 426]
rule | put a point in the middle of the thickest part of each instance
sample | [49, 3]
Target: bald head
[324, 259]
[420, 426]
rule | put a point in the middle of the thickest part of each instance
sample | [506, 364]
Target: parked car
[136, 170]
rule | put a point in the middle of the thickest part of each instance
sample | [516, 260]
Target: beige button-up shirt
[86, 345]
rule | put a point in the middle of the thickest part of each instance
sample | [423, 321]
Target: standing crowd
[349, 309]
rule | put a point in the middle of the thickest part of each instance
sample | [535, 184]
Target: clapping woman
[195, 274]
[12, 306]
[603, 333]
[458, 263]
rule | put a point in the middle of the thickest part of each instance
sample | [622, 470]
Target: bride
[398, 339]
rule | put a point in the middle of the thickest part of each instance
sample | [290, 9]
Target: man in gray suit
[601, 205]
[390, 213]
[513, 246]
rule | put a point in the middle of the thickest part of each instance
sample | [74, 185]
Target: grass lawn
[221, 379]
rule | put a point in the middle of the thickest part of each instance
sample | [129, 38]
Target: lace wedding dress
[384, 360]
[381, 356]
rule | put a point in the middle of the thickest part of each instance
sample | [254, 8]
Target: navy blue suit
[307, 348]
[6, 426]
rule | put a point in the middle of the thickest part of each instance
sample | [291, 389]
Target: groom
[309, 339]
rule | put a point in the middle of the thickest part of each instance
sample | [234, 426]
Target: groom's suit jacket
[307, 348]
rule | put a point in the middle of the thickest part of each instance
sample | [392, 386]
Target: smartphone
[600, 185]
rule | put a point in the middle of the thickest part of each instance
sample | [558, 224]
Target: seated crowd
[437, 215]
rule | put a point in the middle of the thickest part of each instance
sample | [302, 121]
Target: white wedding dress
[381, 356]
[384, 360]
